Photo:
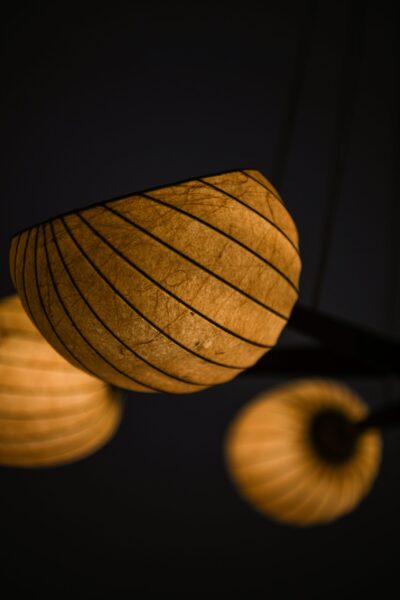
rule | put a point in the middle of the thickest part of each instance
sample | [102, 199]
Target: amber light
[295, 454]
[50, 412]
[170, 290]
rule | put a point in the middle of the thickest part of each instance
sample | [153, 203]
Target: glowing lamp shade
[170, 290]
[293, 455]
[50, 412]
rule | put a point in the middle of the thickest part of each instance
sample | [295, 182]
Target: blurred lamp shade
[293, 454]
[174, 289]
[50, 412]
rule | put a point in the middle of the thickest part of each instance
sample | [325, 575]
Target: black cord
[351, 62]
[392, 248]
[306, 28]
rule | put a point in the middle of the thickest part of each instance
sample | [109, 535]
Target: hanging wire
[350, 70]
[306, 29]
[392, 248]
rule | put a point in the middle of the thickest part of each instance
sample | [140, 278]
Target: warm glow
[50, 412]
[173, 290]
[277, 467]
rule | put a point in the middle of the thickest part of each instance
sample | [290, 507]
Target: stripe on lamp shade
[174, 289]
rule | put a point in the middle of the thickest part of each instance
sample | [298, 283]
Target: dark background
[100, 103]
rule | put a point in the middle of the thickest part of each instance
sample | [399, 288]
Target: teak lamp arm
[385, 418]
[349, 340]
[343, 349]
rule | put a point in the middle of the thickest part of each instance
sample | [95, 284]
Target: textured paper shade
[170, 290]
[50, 412]
[284, 470]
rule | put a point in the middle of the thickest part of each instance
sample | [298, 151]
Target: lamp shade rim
[243, 170]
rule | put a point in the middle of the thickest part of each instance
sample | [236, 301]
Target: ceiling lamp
[298, 455]
[50, 412]
[173, 289]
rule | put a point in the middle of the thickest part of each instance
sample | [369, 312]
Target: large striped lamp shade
[173, 289]
[293, 453]
[50, 412]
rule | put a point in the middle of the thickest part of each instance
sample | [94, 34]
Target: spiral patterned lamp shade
[50, 412]
[170, 290]
[293, 455]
